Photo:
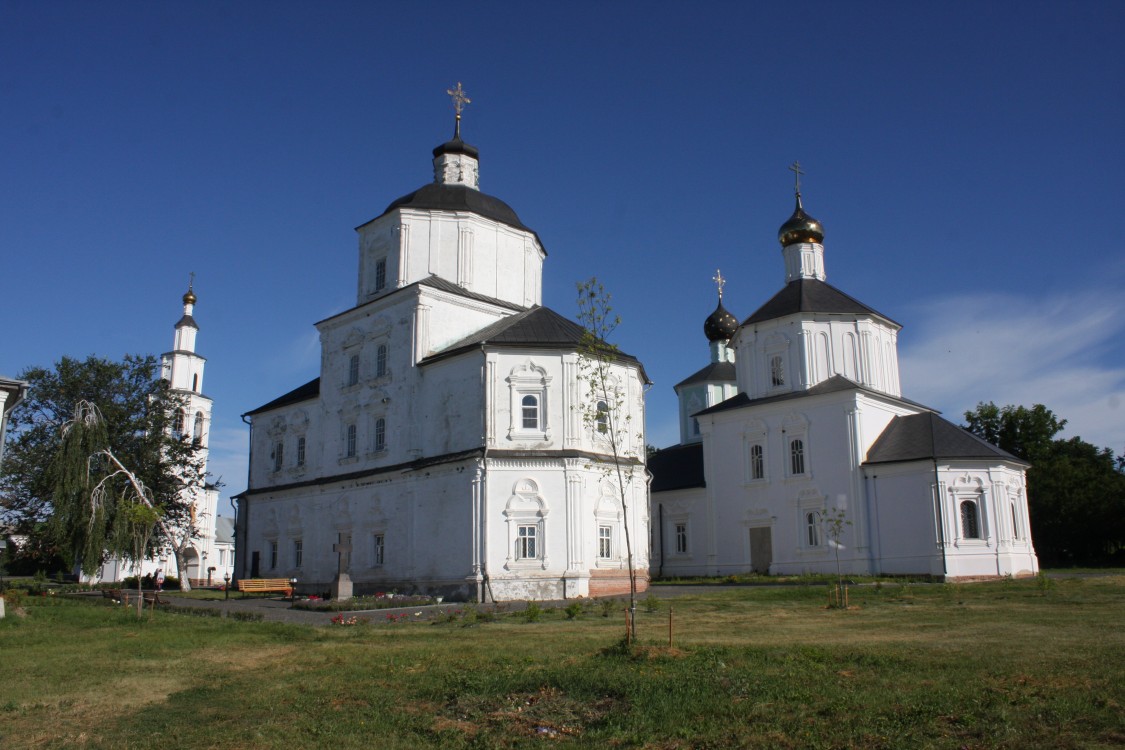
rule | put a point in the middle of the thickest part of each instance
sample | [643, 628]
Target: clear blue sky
[965, 158]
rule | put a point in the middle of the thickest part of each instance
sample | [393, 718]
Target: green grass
[1006, 664]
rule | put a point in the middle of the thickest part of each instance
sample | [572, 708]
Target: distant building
[799, 417]
[12, 394]
[443, 447]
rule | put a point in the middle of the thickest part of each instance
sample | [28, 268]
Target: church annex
[799, 420]
[446, 446]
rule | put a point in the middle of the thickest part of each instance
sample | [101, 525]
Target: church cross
[796, 170]
[459, 99]
[343, 548]
[720, 282]
[191, 281]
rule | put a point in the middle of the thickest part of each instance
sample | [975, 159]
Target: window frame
[380, 436]
[605, 541]
[298, 552]
[814, 529]
[974, 516]
[681, 537]
[381, 361]
[278, 455]
[798, 457]
[757, 457]
[378, 548]
[527, 542]
[380, 274]
[351, 438]
[301, 450]
[353, 370]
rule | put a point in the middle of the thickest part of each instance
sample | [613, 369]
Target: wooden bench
[265, 585]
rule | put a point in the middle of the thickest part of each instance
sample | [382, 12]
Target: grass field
[1007, 664]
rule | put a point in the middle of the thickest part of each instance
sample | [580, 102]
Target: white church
[447, 446]
[210, 551]
[798, 420]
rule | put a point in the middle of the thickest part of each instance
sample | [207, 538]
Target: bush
[651, 603]
[573, 610]
[533, 612]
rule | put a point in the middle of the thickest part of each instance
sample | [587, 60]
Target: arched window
[797, 456]
[353, 370]
[300, 451]
[380, 434]
[812, 528]
[970, 523]
[757, 462]
[530, 409]
[179, 422]
[197, 433]
[777, 370]
[351, 441]
[278, 455]
[602, 419]
[380, 274]
[381, 361]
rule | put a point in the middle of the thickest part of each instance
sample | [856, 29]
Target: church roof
[188, 321]
[834, 384]
[811, 296]
[539, 327]
[927, 436]
[677, 468]
[716, 372]
[441, 197]
[306, 392]
[437, 282]
[224, 529]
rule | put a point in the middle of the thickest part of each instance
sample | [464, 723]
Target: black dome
[436, 196]
[720, 325]
[457, 146]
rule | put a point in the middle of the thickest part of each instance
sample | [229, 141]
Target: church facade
[798, 450]
[447, 446]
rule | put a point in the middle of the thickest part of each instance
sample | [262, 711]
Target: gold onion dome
[189, 297]
[800, 228]
[720, 325]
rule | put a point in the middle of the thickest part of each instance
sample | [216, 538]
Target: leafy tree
[606, 410]
[139, 414]
[1076, 491]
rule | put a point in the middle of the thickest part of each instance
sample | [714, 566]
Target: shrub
[651, 603]
[533, 612]
[573, 610]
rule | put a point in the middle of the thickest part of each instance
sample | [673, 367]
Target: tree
[139, 414]
[605, 410]
[1076, 491]
[835, 520]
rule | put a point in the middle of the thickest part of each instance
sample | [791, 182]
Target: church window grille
[300, 451]
[353, 370]
[530, 412]
[797, 457]
[812, 528]
[298, 552]
[380, 274]
[273, 554]
[757, 462]
[351, 441]
[527, 542]
[380, 434]
[605, 542]
[278, 455]
[381, 361]
[197, 434]
[377, 550]
[681, 538]
[602, 418]
[970, 523]
[777, 370]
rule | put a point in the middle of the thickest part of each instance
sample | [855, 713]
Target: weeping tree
[605, 410]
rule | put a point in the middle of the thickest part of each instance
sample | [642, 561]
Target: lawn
[1007, 664]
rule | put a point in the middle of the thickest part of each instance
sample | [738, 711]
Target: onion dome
[800, 228]
[720, 325]
[189, 295]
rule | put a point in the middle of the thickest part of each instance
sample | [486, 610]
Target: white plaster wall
[905, 536]
[679, 506]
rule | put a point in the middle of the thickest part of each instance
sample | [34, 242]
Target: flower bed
[379, 601]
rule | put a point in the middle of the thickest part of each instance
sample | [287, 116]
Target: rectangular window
[273, 554]
[381, 361]
[222, 557]
[527, 547]
[298, 552]
[757, 462]
[351, 441]
[278, 455]
[353, 370]
[797, 457]
[777, 371]
[605, 542]
[380, 274]
[377, 549]
[681, 538]
[530, 406]
[300, 451]
[380, 434]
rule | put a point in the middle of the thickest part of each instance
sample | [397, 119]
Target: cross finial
[719, 282]
[460, 99]
[191, 281]
[796, 170]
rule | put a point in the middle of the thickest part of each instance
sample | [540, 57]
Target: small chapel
[447, 445]
[798, 451]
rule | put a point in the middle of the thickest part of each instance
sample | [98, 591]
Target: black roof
[811, 296]
[434, 282]
[677, 468]
[927, 436]
[714, 372]
[306, 392]
[834, 384]
[187, 321]
[437, 196]
[539, 327]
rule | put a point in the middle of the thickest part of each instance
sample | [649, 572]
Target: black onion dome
[800, 228]
[720, 325]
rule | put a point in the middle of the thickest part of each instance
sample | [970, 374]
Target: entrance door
[761, 550]
[255, 563]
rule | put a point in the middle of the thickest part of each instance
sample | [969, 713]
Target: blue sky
[966, 160]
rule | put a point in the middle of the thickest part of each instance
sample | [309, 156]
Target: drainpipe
[660, 514]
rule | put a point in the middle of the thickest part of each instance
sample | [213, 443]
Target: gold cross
[719, 281]
[796, 170]
[459, 99]
[191, 281]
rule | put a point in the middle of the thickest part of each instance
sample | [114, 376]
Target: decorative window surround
[525, 516]
[526, 380]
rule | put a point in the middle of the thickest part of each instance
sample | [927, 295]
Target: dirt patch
[548, 712]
